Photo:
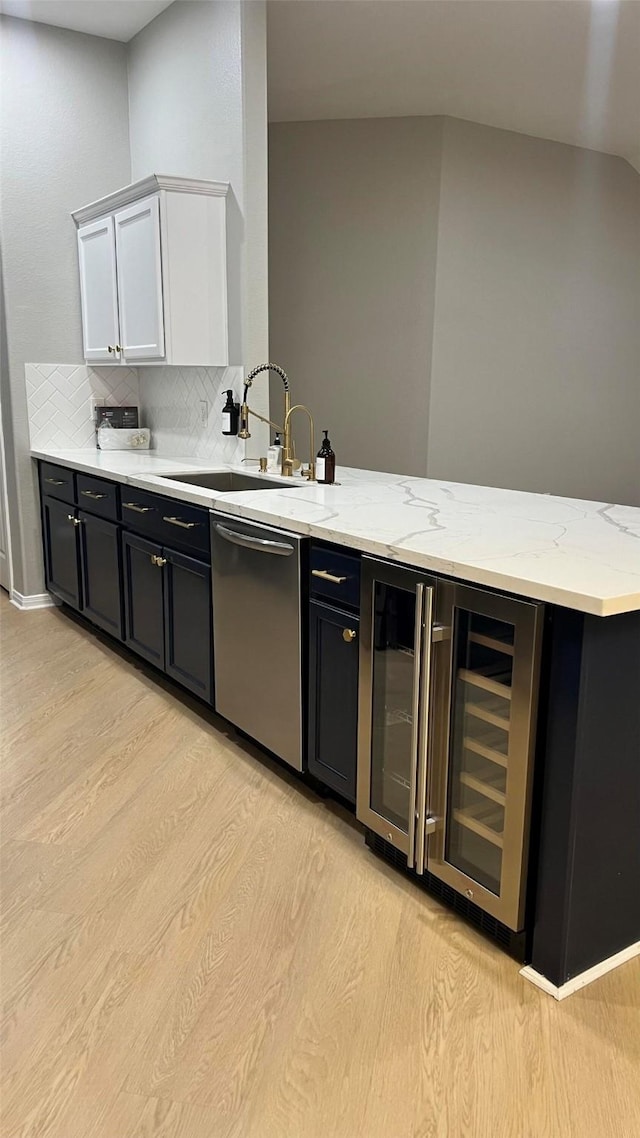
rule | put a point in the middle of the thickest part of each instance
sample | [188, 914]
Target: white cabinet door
[140, 280]
[98, 290]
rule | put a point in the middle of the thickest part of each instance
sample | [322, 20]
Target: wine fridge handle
[415, 722]
[424, 825]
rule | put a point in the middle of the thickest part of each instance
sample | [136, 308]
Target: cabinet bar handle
[183, 525]
[138, 509]
[56, 481]
[93, 495]
[328, 576]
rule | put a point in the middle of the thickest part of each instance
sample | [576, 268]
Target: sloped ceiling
[567, 70]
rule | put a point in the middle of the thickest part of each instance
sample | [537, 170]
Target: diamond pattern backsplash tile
[60, 400]
[170, 402]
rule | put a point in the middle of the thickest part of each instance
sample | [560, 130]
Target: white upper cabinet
[153, 274]
[98, 289]
[140, 280]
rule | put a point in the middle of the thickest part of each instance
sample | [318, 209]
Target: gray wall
[533, 377]
[198, 107]
[353, 209]
[535, 380]
[63, 142]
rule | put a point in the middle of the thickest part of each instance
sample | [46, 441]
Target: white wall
[63, 142]
[353, 212]
[197, 106]
[535, 380]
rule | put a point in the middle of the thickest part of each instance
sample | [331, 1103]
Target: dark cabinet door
[100, 561]
[143, 598]
[333, 698]
[187, 622]
[61, 550]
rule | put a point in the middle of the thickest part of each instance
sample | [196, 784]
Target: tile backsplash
[170, 404]
[60, 399]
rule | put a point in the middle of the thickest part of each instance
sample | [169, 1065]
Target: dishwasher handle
[260, 544]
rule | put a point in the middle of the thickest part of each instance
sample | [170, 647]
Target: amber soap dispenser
[326, 462]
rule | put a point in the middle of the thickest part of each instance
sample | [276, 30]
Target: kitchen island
[583, 555]
[582, 561]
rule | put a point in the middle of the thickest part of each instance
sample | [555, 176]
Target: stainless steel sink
[228, 482]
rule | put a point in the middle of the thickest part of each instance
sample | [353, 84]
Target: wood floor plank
[195, 947]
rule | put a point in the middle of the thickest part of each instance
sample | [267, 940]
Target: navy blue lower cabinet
[101, 567]
[143, 580]
[60, 526]
[188, 623]
[333, 698]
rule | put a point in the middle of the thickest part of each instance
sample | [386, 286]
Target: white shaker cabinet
[98, 289]
[153, 274]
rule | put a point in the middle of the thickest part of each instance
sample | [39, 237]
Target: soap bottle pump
[326, 462]
[230, 415]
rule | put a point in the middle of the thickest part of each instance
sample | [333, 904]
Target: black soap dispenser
[230, 415]
[326, 462]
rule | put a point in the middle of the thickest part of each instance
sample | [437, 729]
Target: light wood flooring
[193, 946]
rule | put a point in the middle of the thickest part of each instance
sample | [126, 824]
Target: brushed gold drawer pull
[349, 635]
[178, 522]
[328, 576]
[91, 494]
[138, 509]
[56, 481]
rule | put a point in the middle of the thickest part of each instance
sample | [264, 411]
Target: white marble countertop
[583, 555]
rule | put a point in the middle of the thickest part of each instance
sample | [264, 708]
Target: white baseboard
[32, 600]
[581, 981]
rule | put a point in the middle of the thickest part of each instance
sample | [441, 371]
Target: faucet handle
[310, 472]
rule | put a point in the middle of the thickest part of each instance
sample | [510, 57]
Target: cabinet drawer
[57, 481]
[97, 496]
[335, 576]
[167, 520]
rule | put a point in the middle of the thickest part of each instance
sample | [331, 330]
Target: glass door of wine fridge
[396, 617]
[481, 754]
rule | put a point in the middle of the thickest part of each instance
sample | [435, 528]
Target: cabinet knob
[118, 348]
[74, 521]
[110, 349]
[159, 561]
[349, 635]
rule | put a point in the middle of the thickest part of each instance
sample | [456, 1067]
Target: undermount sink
[228, 482]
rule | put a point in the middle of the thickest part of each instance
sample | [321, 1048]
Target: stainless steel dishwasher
[257, 632]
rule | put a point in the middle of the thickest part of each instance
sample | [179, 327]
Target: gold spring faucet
[288, 453]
